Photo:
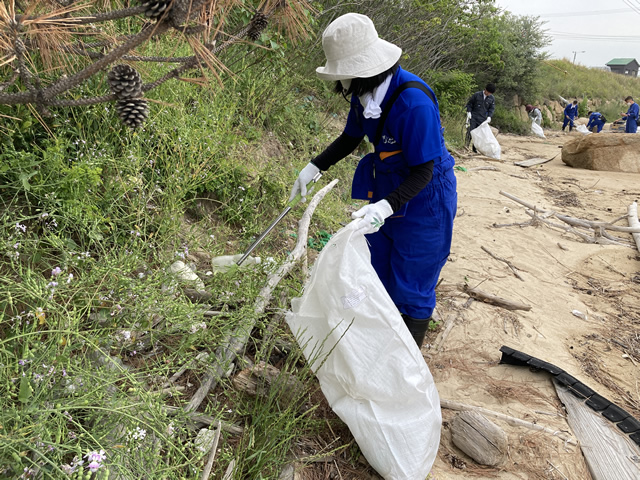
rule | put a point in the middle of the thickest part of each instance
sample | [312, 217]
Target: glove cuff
[313, 168]
[385, 208]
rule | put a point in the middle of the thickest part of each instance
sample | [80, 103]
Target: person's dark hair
[590, 112]
[575, 102]
[360, 86]
[491, 88]
[628, 98]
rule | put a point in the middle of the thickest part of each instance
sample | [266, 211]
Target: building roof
[620, 61]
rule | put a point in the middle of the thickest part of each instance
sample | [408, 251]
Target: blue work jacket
[412, 135]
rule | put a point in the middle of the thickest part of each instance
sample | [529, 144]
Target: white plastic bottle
[225, 262]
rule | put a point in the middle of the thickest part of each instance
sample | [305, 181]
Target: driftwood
[228, 474]
[597, 231]
[262, 378]
[632, 213]
[516, 422]
[532, 162]
[225, 354]
[212, 456]
[599, 237]
[494, 300]
[509, 264]
[449, 323]
[479, 438]
[609, 455]
[200, 419]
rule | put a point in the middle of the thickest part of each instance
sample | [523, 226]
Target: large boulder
[604, 151]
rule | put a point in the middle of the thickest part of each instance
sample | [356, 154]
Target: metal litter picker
[290, 205]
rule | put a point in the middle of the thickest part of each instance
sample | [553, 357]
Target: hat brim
[377, 58]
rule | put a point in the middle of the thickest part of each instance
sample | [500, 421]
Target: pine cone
[125, 82]
[132, 112]
[258, 23]
[156, 8]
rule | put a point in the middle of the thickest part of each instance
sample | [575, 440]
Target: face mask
[346, 83]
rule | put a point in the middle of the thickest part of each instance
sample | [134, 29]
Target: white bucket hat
[354, 50]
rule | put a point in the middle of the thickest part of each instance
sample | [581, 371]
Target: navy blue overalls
[632, 118]
[570, 111]
[413, 245]
[595, 120]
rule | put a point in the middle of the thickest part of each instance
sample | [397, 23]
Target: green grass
[605, 91]
[91, 323]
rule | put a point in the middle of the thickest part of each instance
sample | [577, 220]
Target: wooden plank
[534, 161]
[608, 452]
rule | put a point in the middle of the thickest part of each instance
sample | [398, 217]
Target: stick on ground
[494, 300]
[212, 456]
[632, 212]
[509, 264]
[516, 422]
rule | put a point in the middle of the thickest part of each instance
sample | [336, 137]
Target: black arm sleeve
[419, 177]
[340, 148]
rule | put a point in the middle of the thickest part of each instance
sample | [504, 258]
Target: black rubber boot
[417, 328]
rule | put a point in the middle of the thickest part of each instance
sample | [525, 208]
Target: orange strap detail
[384, 155]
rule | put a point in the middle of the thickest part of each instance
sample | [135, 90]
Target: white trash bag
[373, 375]
[485, 142]
[583, 129]
[537, 129]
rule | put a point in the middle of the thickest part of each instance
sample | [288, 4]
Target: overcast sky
[595, 29]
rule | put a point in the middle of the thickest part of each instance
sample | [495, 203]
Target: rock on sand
[613, 152]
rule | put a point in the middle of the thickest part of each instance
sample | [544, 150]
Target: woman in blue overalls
[409, 180]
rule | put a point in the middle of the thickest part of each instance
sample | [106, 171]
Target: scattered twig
[632, 213]
[542, 334]
[509, 264]
[557, 470]
[212, 456]
[516, 422]
[494, 300]
[200, 357]
[475, 169]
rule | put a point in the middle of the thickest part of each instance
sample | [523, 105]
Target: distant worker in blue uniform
[596, 121]
[480, 108]
[570, 114]
[408, 180]
[631, 116]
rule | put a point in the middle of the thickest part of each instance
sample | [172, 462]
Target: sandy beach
[559, 273]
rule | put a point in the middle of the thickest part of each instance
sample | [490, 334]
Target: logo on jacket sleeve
[388, 140]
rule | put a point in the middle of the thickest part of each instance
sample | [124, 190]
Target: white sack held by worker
[485, 142]
[368, 364]
[583, 130]
[537, 129]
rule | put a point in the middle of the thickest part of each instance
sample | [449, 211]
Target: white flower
[138, 434]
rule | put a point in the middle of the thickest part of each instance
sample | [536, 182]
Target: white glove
[488, 119]
[371, 217]
[306, 175]
[469, 115]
